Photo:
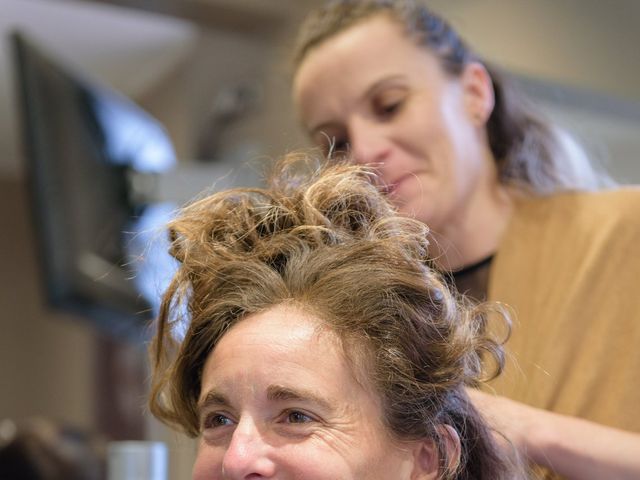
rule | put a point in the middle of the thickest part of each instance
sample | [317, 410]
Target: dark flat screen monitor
[83, 144]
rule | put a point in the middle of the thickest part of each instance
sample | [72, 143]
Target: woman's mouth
[392, 187]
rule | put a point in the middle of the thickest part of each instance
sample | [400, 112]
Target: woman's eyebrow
[281, 393]
[382, 82]
[274, 393]
[213, 398]
[322, 127]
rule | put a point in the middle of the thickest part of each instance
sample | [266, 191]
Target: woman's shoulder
[601, 206]
[573, 231]
[627, 196]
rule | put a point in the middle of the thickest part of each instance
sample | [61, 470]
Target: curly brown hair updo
[530, 153]
[323, 238]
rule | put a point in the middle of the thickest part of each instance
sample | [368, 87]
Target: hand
[572, 447]
[515, 423]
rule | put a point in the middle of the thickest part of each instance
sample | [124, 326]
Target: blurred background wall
[215, 73]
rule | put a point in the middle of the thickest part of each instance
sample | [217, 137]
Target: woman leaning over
[513, 213]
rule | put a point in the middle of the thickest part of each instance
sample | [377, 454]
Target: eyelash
[388, 109]
[385, 110]
[218, 420]
[209, 419]
[287, 415]
[334, 147]
[339, 146]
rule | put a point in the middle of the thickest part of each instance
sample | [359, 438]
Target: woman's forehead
[281, 331]
[287, 346]
[354, 45]
[337, 74]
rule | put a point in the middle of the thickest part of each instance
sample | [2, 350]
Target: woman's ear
[478, 92]
[452, 445]
[427, 459]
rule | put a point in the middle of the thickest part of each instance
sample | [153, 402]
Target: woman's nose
[247, 456]
[369, 145]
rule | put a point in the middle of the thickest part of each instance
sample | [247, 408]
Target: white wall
[46, 360]
[587, 45]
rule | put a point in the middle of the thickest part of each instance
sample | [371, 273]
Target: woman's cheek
[208, 464]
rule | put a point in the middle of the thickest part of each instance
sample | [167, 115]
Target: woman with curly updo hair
[516, 213]
[320, 343]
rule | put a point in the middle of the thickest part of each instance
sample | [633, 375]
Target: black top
[473, 280]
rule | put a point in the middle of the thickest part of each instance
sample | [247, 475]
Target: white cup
[137, 460]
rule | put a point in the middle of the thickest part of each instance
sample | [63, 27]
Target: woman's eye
[338, 147]
[333, 145]
[217, 420]
[388, 103]
[388, 109]
[295, 416]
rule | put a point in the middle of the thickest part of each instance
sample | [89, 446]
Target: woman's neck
[477, 232]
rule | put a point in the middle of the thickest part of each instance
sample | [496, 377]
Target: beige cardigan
[569, 266]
